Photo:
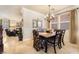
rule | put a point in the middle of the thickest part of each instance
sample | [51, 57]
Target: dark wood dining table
[47, 37]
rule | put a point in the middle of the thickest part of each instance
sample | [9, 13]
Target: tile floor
[13, 46]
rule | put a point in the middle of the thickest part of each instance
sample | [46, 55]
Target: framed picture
[35, 24]
[39, 24]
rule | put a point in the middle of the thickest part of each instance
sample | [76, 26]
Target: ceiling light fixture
[50, 16]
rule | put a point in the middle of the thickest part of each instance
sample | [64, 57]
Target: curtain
[77, 25]
[73, 27]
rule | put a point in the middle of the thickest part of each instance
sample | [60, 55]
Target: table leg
[45, 46]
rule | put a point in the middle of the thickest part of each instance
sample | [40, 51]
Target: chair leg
[55, 49]
[42, 46]
[59, 46]
[36, 47]
[63, 42]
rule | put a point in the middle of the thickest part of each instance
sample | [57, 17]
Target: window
[65, 21]
[65, 17]
[64, 25]
[55, 23]
[54, 26]
[61, 21]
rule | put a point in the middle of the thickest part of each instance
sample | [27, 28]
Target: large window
[61, 21]
[64, 25]
[55, 23]
[65, 21]
[54, 26]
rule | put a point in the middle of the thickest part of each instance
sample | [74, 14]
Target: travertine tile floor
[13, 46]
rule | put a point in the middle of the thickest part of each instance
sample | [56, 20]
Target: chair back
[36, 40]
[63, 33]
[1, 35]
[35, 34]
[58, 36]
[1, 29]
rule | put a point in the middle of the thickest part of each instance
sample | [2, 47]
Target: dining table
[47, 37]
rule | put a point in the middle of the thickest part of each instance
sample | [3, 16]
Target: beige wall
[28, 16]
[10, 13]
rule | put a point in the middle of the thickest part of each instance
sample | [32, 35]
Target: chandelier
[50, 15]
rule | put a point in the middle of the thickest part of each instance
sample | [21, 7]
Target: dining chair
[56, 40]
[19, 34]
[62, 38]
[60, 33]
[44, 43]
[37, 42]
[1, 40]
[1, 46]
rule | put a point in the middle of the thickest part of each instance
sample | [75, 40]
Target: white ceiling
[44, 8]
[39, 8]
[10, 8]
